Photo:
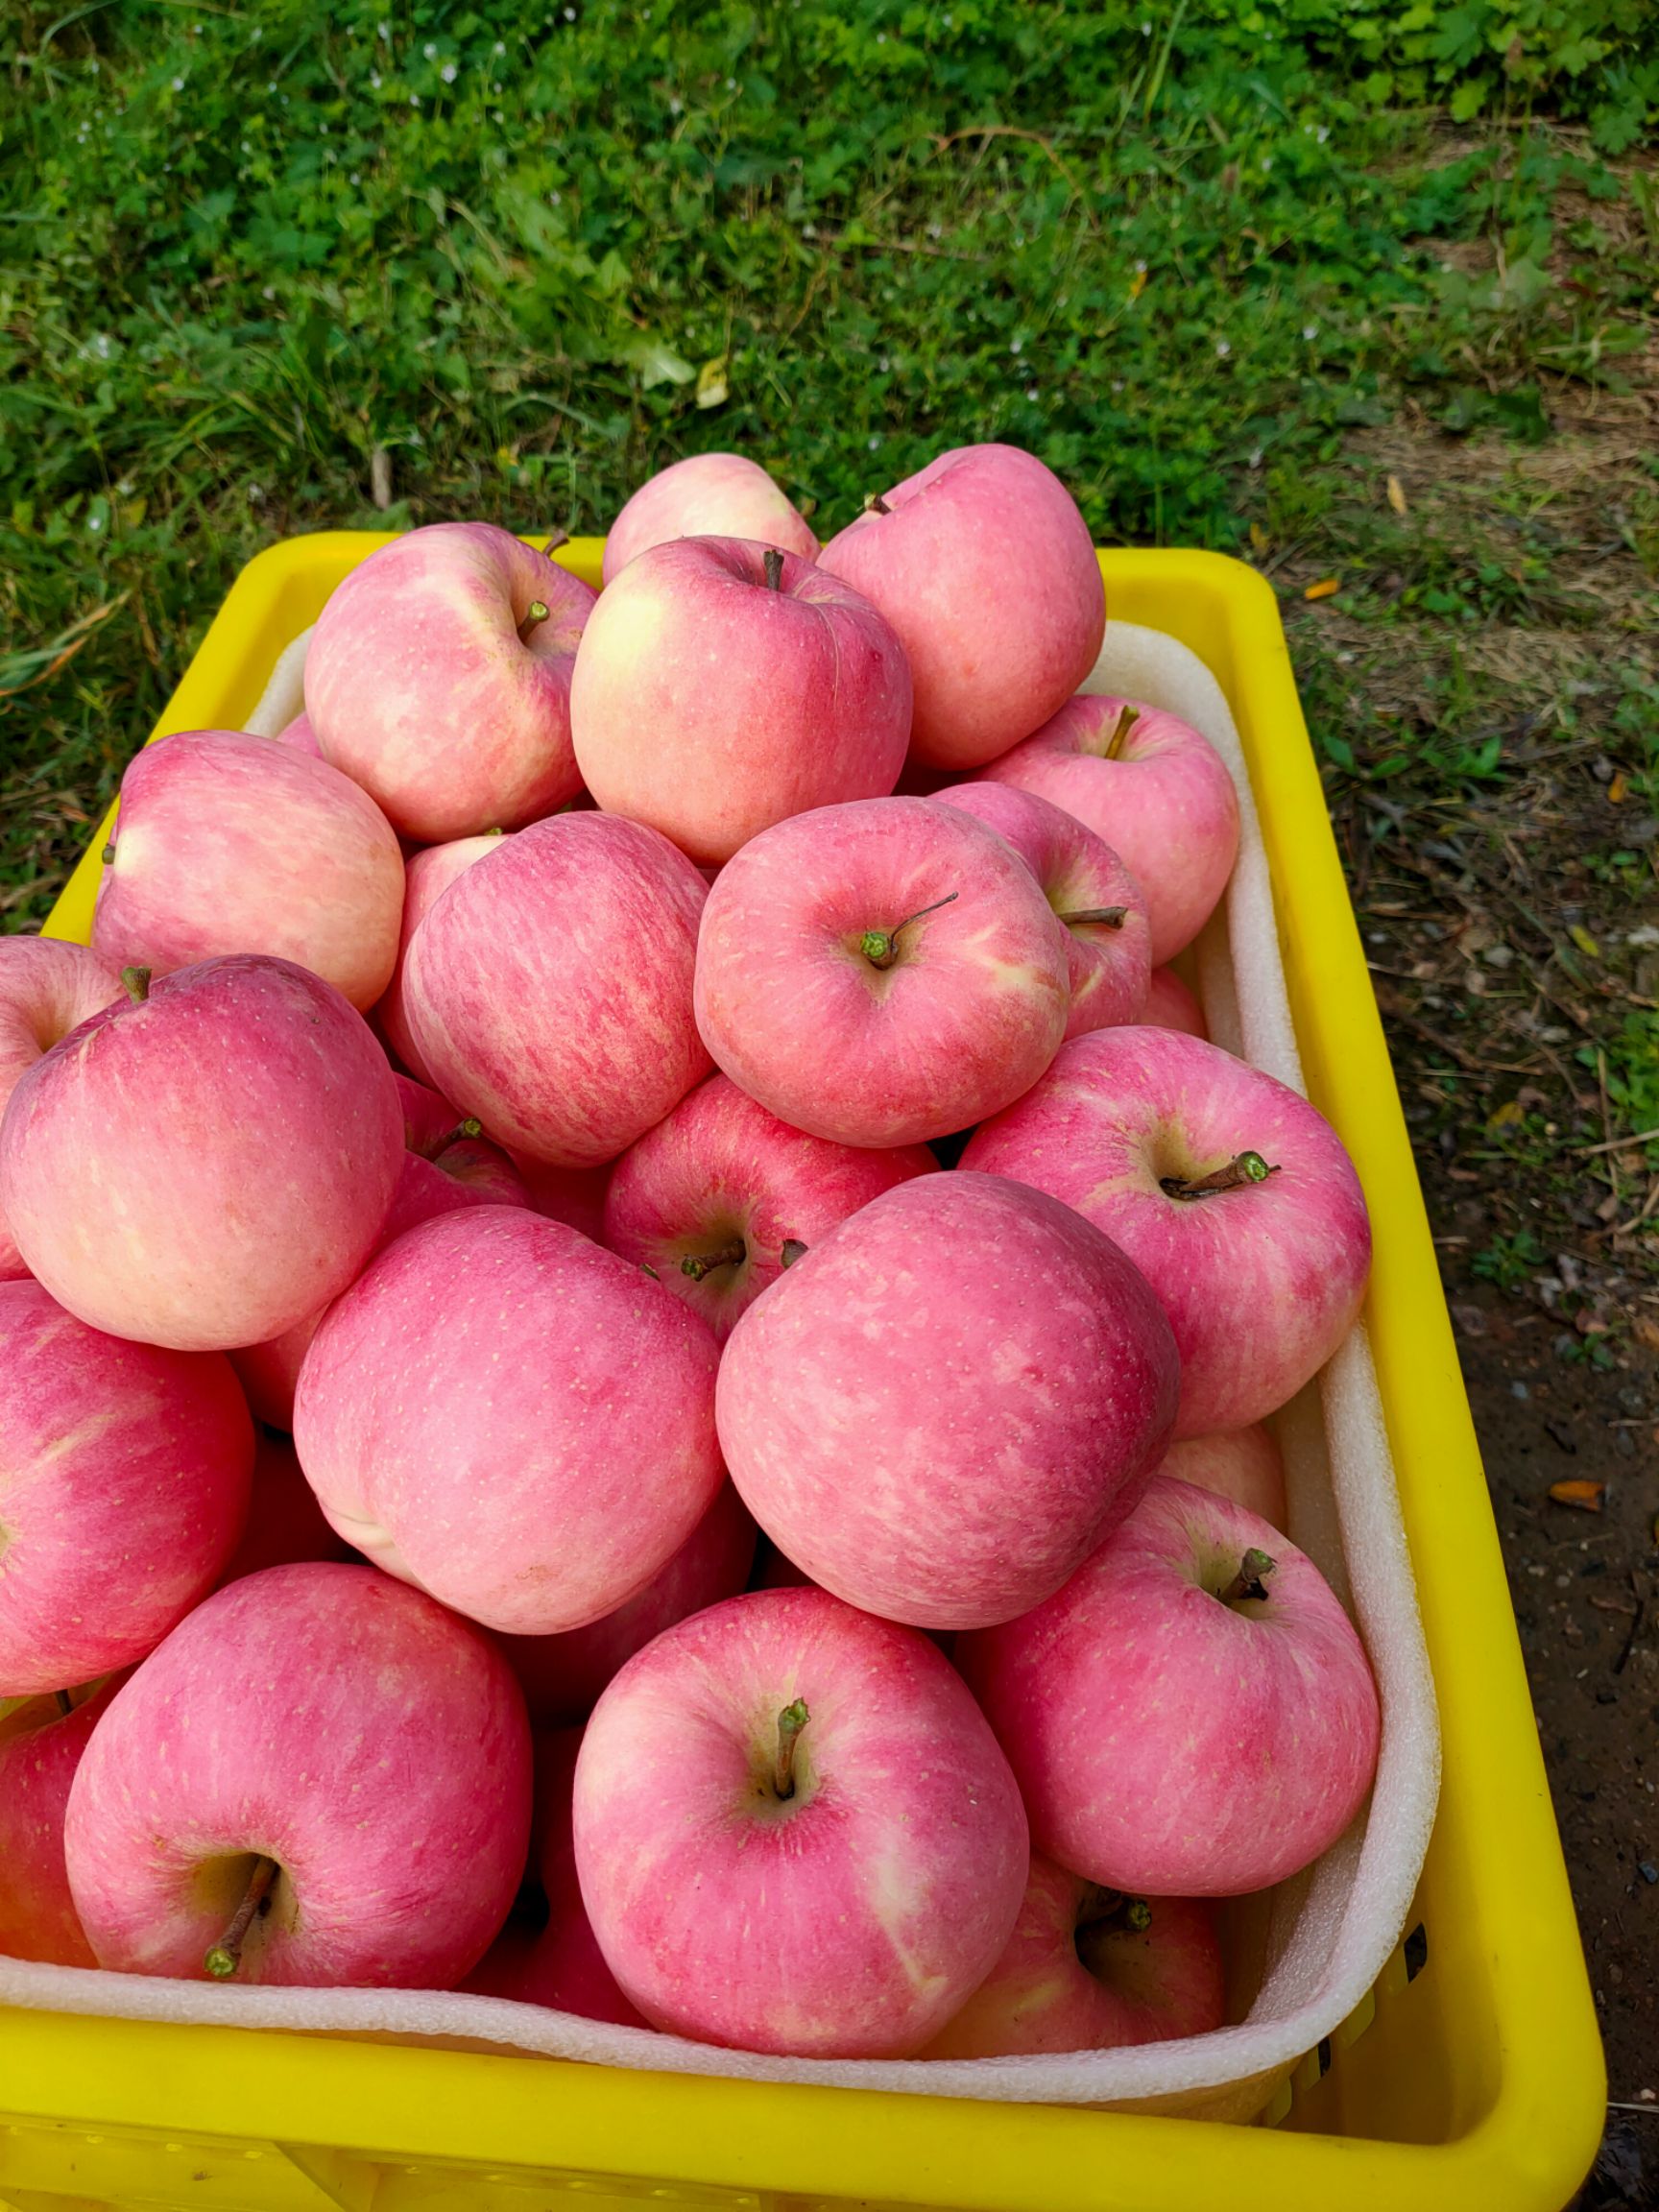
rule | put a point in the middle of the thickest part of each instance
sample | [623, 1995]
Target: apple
[943, 1408]
[723, 685]
[285, 1522]
[1233, 1195]
[250, 1188]
[707, 495]
[124, 1482]
[721, 1196]
[426, 875]
[40, 1746]
[46, 990]
[1095, 898]
[439, 678]
[299, 735]
[511, 1418]
[1091, 1969]
[881, 972]
[985, 569]
[226, 843]
[1171, 1005]
[1192, 1714]
[321, 1778]
[446, 1165]
[562, 1675]
[794, 1831]
[560, 1963]
[1154, 787]
[1243, 1464]
[550, 989]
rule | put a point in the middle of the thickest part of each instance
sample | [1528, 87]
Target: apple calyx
[790, 1722]
[771, 561]
[138, 982]
[1250, 1581]
[875, 504]
[1244, 1168]
[1127, 717]
[790, 1250]
[535, 614]
[880, 947]
[697, 1264]
[225, 1955]
[1110, 917]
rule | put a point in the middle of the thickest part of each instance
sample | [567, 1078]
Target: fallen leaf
[1323, 587]
[1646, 1330]
[1618, 790]
[1506, 1116]
[1614, 1605]
[1585, 1497]
[1396, 495]
[1138, 284]
[1585, 943]
[1470, 1320]
[714, 387]
[1259, 539]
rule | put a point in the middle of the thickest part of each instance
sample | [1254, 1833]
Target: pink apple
[230, 844]
[550, 989]
[1170, 1006]
[439, 678]
[1192, 1714]
[40, 1746]
[1090, 1969]
[942, 1409]
[426, 875]
[881, 972]
[559, 1964]
[1154, 788]
[325, 1758]
[205, 1166]
[794, 1832]
[285, 1522]
[1233, 1196]
[707, 495]
[562, 1675]
[46, 990]
[1243, 1464]
[124, 1475]
[445, 1168]
[507, 1416]
[299, 735]
[721, 1196]
[723, 685]
[1095, 896]
[984, 567]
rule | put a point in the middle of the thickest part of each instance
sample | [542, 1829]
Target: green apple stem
[138, 982]
[1250, 1581]
[875, 504]
[535, 614]
[1244, 1168]
[790, 1722]
[1127, 717]
[65, 1703]
[697, 1264]
[771, 561]
[880, 947]
[225, 1955]
[470, 1127]
[1110, 917]
[791, 1250]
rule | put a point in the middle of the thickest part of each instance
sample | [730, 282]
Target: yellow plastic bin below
[1470, 2080]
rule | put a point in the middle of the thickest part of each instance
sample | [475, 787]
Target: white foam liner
[1300, 1957]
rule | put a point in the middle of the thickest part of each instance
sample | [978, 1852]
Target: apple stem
[646, 1268]
[470, 1127]
[535, 614]
[138, 982]
[555, 539]
[875, 504]
[697, 1264]
[65, 1703]
[792, 1249]
[771, 561]
[1110, 917]
[108, 856]
[1250, 1581]
[790, 1722]
[880, 947]
[1127, 717]
[1243, 1169]
[225, 1955]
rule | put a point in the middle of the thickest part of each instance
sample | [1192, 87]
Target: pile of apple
[524, 1085]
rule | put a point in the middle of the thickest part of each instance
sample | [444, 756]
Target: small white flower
[1018, 345]
[554, 197]
[808, 229]
[569, 14]
[883, 364]
[1140, 268]
[676, 106]
[1323, 133]
[935, 230]
[1116, 386]
[1031, 394]
[874, 443]
[269, 291]
[94, 521]
[447, 72]
[730, 83]
[383, 31]
[1267, 161]
[1222, 349]
[1145, 30]
[178, 83]
[494, 87]
[356, 176]
[430, 51]
[375, 80]
[499, 47]
[1309, 330]
[414, 99]
[1254, 457]
[880, 38]
[255, 493]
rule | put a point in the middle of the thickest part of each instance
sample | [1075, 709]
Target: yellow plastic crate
[1469, 2080]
